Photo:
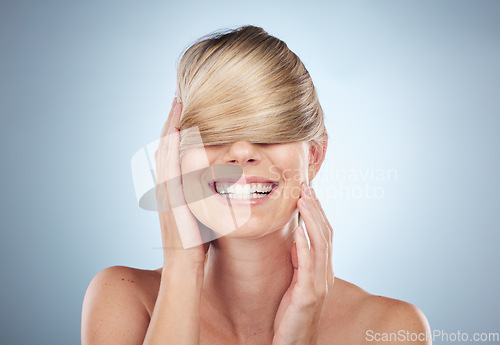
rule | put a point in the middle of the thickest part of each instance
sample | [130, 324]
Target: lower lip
[243, 202]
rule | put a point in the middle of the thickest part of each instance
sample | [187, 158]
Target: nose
[242, 153]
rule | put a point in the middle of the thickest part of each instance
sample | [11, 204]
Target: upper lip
[244, 180]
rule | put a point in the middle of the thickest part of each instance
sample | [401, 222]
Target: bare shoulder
[118, 304]
[390, 312]
[122, 280]
[357, 317]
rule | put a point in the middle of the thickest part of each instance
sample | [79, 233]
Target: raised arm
[114, 312]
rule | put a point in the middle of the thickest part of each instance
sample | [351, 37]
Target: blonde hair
[245, 84]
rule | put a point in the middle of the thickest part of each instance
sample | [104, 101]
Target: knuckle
[309, 301]
[323, 245]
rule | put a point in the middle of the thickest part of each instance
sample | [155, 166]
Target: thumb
[295, 259]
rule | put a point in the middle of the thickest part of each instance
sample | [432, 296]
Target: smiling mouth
[243, 191]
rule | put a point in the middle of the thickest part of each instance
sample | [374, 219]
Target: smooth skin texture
[261, 284]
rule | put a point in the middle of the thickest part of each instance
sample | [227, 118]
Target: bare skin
[261, 284]
[350, 312]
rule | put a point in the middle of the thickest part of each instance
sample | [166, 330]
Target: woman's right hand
[181, 238]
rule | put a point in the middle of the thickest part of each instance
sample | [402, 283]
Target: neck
[245, 280]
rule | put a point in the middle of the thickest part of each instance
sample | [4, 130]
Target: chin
[238, 222]
[254, 229]
[239, 206]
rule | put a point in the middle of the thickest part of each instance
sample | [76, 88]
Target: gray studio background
[410, 92]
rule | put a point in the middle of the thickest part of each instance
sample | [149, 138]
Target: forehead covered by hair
[245, 84]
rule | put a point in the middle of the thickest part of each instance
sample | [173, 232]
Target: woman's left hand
[299, 313]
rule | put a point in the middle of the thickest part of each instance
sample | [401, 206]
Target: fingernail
[300, 231]
[304, 203]
[174, 102]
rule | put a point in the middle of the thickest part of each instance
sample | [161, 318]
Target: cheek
[293, 175]
[294, 167]
[193, 160]
[194, 165]
[293, 178]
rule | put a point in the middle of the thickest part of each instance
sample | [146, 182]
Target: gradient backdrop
[410, 184]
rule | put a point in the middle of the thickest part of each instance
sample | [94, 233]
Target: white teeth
[238, 189]
[244, 196]
[246, 191]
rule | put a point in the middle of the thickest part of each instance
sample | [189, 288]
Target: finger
[295, 263]
[173, 169]
[167, 155]
[305, 279]
[163, 145]
[328, 230]
[166, 126]
[293, 254]
[319, 245]
[310, 196]
[329, 233]
[172, 174]
[313, 219]
[167, 164]
[322, 220]
[176, 116]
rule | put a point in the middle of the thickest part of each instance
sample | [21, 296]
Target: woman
[238, 268]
